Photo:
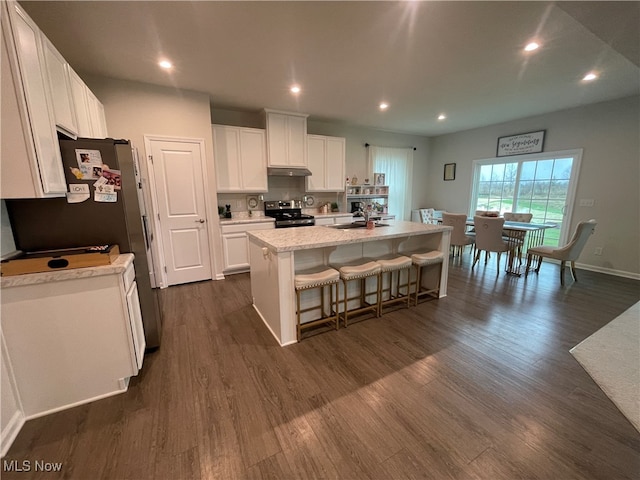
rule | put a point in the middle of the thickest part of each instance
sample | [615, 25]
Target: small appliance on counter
[287, 214]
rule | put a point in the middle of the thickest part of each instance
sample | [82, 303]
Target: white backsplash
[282, 188]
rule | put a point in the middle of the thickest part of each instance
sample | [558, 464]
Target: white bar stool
[390, 264]
[360, 270]
[320, 277]
[422, 260]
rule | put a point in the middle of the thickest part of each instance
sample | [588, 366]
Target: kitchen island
[275, 256]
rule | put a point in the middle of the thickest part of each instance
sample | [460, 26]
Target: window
[542, 184]
[397, 165]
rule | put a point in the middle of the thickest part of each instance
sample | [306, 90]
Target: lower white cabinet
[72, 339]
[235, 245]
[333, 219]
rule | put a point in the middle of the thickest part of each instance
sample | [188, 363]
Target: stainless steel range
[287, 214]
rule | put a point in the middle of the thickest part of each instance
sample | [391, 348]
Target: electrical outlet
[239, 204]
[598, 251]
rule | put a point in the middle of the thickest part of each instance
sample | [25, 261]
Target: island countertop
[303, 238]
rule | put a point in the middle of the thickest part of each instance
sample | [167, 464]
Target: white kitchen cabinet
[235, 244]
[286, 139]
[12, 417]
[96, 116]
[57, 70]
[333, 219]
[81, 102]
[326, 160]
[31, 162]
[240, 159]
[73, 336]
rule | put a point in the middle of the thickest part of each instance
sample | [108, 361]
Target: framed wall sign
[520, 144]
[449, 171]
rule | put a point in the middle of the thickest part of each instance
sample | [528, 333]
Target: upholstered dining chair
[459, 239]
[427, 215]
[518, 217]
[569, 253]
[489, 238]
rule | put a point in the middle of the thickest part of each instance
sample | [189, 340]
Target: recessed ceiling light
[590, 76]
[531, 47]
[295, 89]
[166, 64]
[384, 106]
[442, 116]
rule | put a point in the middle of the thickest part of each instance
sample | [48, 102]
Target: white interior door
[179, 178]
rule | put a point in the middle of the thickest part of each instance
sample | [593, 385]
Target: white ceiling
[464, 59]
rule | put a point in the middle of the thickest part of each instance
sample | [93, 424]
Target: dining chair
[489, 238]
[427, 215]
[459, 239]
[569, 253]
[518, 217]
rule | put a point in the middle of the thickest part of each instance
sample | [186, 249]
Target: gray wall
[609, 135]
[135, 109]
[356, 153]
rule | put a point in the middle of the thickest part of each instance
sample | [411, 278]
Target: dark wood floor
[478, 385]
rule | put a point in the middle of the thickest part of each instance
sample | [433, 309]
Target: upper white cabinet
[96, 116]
[240, 159]
[40, 93]
[286, 139]
[31, 162]
[81, 102]
[326, 160]
[57, 70]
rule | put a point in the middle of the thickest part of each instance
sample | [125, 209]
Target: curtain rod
[368, 145]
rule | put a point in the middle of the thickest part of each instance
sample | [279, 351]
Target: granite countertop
[327, 215]
[291, 239]
[118, 266]
[247, 219]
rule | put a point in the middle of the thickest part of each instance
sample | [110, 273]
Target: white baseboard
[123, 384]
[11, 431]
[609, 271]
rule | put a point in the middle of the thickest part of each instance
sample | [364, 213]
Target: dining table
[520, 236]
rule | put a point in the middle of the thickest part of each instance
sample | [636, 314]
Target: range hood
[289, 171]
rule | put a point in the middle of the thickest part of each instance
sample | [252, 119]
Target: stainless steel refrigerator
[55, 223]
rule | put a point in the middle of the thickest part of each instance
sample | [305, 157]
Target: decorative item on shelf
[220, 211]
[354, 180]
[252, 201]
[378, 178]
[227, 213]
[334, 207]
[366, 181]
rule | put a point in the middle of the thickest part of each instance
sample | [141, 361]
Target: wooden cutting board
[49, 260]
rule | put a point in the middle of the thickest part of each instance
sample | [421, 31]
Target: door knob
[200, 221]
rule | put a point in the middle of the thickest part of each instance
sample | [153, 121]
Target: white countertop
[241, 220]
[290, 239]
[118, 266]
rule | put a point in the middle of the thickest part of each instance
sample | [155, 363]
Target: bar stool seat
[359, 270]
[319, 277]
[388, 265]
[422, 260]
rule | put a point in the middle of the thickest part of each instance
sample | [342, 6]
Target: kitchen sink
[343, 226]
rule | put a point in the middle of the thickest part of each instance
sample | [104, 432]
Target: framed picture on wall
[449, 171]
[378, 178]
